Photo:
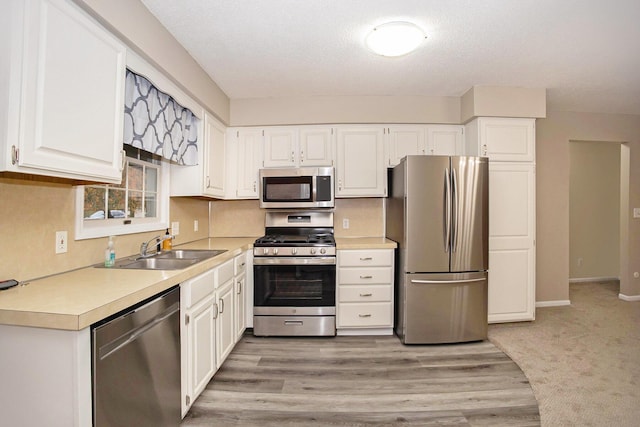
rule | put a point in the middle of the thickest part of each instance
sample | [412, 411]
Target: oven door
[294, 282]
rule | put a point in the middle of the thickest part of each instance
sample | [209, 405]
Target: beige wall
[136, 26]
[345, 109]
[32, 210]
[552, 179]
[594, 209]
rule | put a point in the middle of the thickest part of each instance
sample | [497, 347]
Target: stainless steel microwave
[297, 188]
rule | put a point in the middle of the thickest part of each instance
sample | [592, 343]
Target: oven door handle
[294, 261]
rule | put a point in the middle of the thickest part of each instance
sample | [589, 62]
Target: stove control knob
[266, 251]
[275, 251]
[294, 251]
[323, 251]
[313, 251]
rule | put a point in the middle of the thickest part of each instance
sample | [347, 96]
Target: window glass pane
[150, 204]
[136, 209]
[135, 176]
[151, 179]
[117, 207]
[94, 202]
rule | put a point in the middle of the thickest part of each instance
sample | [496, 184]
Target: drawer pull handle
[368, 258]
[366, 277]
[364, 315]
[366, 295]
[293, 323]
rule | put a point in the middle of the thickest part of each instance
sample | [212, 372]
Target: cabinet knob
[293, 158]
[301, 156]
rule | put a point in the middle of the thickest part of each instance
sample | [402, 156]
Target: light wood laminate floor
[364, 381]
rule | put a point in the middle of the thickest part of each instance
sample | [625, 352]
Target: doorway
[594, 210]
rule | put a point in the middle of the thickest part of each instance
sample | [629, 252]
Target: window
[139, 203]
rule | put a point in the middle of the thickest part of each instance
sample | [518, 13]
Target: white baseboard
[629, 297]
[593, 279]
[556, 303]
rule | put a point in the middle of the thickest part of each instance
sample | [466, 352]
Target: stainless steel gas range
[295, 275]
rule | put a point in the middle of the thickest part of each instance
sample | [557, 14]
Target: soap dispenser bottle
[166, 243]
[110, 254]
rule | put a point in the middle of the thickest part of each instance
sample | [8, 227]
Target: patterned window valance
[155, 122]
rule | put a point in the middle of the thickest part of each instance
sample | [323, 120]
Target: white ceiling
[585, 52]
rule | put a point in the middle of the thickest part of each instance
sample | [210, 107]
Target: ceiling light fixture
[395, 38]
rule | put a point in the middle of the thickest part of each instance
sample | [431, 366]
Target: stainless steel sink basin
[199, 254]
[157, 264]
[170, 260]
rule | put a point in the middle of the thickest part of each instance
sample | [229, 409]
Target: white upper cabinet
[445, 140]
[62, 92]
[249, 148]
[502, 139]
[404, 140]
[280, 147]
[438, 140]
[360, 167]
[298, 146]
[316, 146]
[208, 177]
[214, 146]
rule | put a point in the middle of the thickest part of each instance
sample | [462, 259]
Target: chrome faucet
[144, 247]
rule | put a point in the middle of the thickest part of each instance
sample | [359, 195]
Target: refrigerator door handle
[454, 211]
[430, 282]
[446, 223]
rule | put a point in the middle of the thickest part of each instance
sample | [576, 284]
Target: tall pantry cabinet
[510, 145]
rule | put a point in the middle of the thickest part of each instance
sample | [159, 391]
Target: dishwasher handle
[115, 345]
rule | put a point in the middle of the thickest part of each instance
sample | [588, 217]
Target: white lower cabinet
[240, 292]
[225, 328]
[365, 292]
[198, 335]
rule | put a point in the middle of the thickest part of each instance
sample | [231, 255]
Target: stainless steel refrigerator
[437, 212]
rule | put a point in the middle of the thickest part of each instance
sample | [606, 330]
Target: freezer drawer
[442, 308]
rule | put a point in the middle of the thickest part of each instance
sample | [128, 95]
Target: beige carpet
[582, 360]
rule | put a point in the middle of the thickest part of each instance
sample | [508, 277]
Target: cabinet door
[507, 139]
[445, 140]
[361, 167]
[316, 146]
[240, 303]
[404, 141]
[202, 343]
[511, 242]
[225, 333]
[280, 147]
[215, 161]
[249, 160]
[73, 94]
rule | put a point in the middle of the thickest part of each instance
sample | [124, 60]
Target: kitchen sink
[170, 260]
[198, 254]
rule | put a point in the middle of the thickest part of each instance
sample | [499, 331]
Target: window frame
[90, 229]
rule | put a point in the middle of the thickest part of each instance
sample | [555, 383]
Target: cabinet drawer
[360, 276]
[374, 293]
[240, 264]
[356, 258]
[224, 273]
[198, 288]
[365, 314]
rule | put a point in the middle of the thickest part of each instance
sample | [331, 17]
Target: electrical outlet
[195, 225]
[636, 212]
[345, 223]
[61, 242]
[175, 228]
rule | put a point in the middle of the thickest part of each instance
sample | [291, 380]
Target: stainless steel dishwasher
[136, 365]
